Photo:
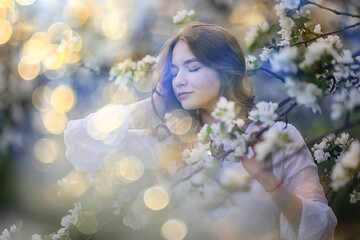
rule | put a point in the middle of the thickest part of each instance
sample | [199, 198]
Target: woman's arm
[289, 204]
[301, 199]
[143, 113]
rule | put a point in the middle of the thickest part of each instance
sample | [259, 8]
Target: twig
[272, 74]
[285, 101]
[332, 10]
[102, 225]
[336, 131]
[95, 70]
[326, 34]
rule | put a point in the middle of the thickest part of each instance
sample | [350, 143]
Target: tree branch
[326, 34]
[336, 131]
[332, 10]
[271, 73]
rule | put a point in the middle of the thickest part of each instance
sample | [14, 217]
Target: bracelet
[276, 187]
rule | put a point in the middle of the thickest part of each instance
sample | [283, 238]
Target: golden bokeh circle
[178, 121]
[6, 31]
[45, 150]
[62, 99]
[54, 122]
[174, 229]
[156, 198]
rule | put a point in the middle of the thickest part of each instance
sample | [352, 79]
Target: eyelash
[190, 70]
[194, 70]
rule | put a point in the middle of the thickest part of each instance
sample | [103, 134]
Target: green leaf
[293, 41]
[208, 130]
[272, 28]
[19, 224]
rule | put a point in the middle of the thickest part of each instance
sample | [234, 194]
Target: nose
[180, 79]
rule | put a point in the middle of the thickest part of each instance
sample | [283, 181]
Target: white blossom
[320, 146]
[264, 26]
[268, 145]
[321, 156]
[322, 46]
[224, 111]
[284, 60]
[36, 237]
[72, 218]
[203, 134]
[182, 15]
[305, 94]
[346, 100]
[198, 179]
[351, 159]
[265, 54]
[251, 35]
[354, 196]
[285, 23]
[239, 145]
[121, 198]
[265, 112]
[5, 235]
[234, 179]
[343, 139]
[14, 229]
[198, 155]
[250, 62]
[349, 162]
[317, 29]
[339, 177]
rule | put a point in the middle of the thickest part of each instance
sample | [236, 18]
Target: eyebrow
[187, 61]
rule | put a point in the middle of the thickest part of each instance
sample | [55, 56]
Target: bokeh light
[87, 223]
[156, 198]
[41, 98]
[78, 185]
[174, 229]
[6, 31]
[178, 121]
[129, 169]
[76, 13]
[54, 122]
[169, 154]
[62, 99]
[104, 184]
[28, 69]
[248, 15]
[45, 150]
[60, 31]
[6, 3]
[113, 25]
[22, 31]
[54, 58]
[25, 2]
[36, 46]
[105, 121]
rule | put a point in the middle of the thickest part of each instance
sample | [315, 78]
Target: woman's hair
[216, 48]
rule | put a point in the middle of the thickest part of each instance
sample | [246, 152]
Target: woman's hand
[260, 170]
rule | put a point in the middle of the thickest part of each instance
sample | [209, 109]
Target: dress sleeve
[299, 174]
[89, 140]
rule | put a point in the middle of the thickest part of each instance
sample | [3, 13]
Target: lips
[182, 95]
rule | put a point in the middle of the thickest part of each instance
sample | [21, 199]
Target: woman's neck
[206, 118]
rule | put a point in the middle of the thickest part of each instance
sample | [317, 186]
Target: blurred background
[55, 57]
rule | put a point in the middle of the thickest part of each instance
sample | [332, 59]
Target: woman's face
[195, 85]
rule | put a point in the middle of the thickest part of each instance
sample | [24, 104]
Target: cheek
[209, 82]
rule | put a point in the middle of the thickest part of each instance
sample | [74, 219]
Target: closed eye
[194, 69]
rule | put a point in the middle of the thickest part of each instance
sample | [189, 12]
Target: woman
[196, 67]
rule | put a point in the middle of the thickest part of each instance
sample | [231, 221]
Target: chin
[188, 106]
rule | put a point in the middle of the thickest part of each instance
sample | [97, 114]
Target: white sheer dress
[245, 215]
